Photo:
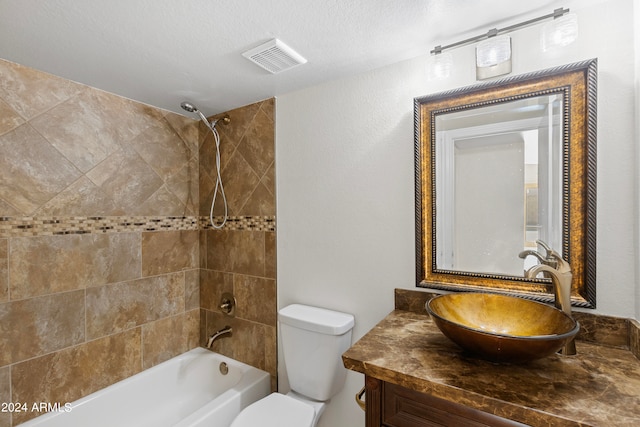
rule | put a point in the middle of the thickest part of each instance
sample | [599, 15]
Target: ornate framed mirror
[501, 166]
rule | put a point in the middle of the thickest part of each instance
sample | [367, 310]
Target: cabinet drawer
[402, 407]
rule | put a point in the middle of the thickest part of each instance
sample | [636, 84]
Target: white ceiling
[163, 52]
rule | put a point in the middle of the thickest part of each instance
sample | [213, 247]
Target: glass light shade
[560, 32]
[493, 51]
[439, 66]
[493, 57]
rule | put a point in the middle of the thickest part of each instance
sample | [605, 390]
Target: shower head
[188, 107]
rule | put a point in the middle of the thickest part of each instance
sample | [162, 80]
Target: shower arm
[225, 120]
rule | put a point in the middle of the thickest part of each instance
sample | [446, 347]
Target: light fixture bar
[494, 32]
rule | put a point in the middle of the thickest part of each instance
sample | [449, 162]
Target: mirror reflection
[498, 184]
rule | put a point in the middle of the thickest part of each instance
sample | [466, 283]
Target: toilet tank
[313, 340]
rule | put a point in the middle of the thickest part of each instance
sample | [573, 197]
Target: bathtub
[186, 391]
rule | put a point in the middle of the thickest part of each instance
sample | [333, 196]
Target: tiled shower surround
[107, 263]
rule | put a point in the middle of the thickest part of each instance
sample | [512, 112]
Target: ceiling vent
[274, 56]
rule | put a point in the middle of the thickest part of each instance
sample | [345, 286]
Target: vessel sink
[502, 328]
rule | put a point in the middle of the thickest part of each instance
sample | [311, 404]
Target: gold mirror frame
[577, 84]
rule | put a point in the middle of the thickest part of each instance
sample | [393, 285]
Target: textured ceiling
[162, 52]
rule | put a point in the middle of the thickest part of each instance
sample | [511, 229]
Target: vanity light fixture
[560, 32]
[493, 56]
[439, 66]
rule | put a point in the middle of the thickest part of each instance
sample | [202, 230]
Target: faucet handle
[558, 262]
[544, 246]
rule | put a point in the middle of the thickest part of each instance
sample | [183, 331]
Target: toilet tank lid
[316, 319]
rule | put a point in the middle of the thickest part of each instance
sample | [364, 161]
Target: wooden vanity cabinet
[390, 405]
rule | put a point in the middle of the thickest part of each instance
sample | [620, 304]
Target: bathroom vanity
[415, 376]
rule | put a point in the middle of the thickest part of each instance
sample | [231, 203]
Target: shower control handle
[228, 304]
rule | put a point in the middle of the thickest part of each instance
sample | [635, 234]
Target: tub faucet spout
[212, 338]
[561, 278]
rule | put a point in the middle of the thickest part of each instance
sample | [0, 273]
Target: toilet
[313, 340]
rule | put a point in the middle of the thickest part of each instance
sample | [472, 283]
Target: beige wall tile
[187, 128]
[227, 344]
[247, 156]
[9, 119]
[241, 119]
[212, 285]
[169, 337]
[257, 145]
[202, 236]
[269, 180]
[240, 180]
[127, 179]
[192, 289]
[270, 260]
[193, 328]
[75, 372]
[121, 306]
[4, 270]
[256, 298]
[82, 198]
[40, 325]
[183, 184]
[30, 92]
[271, 353]
[67, 125]
[205, 191]
[207, 153]
[8, 210]
[260, 203]
[268, 106]
[161, 147]
[161, 203]
[31, 170]
[251, 343]
[236, 252]
[168, 251]
[71, 262]
[5, 395]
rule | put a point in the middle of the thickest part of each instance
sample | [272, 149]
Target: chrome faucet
[561, 278]
[212, 338]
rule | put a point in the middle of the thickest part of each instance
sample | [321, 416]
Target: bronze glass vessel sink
[502, 328]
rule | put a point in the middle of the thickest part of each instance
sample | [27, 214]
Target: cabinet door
[402, 407]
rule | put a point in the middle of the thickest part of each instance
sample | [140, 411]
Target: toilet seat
[276, 410]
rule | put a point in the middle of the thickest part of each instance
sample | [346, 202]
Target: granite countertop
[600, 386]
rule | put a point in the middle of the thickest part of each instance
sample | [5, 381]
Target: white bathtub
[186, 391]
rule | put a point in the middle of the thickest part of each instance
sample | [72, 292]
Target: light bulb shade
[493, 57]
[560, 32]
[439, 66]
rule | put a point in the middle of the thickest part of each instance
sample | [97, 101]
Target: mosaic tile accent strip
[253, 223]
[49, 226]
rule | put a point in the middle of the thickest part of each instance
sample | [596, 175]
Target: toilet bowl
[313, 339]
[278, 410]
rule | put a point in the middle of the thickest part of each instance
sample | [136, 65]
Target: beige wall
[101, 239]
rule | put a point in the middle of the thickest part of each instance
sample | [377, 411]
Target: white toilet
[313, 340]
